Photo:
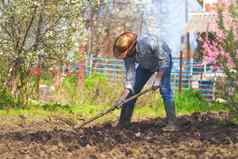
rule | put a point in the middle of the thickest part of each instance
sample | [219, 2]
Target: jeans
[142, 76]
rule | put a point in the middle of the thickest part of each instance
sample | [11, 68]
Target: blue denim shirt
[151, 53]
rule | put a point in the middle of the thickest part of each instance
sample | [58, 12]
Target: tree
[222, 50]
[36, 32]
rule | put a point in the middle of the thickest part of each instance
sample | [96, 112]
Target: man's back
[151, 52]
[146, 51]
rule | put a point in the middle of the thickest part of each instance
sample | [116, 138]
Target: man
[152, 56]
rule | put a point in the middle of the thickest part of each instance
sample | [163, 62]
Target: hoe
[114, 107]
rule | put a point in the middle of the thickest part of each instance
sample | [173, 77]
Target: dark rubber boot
[171, 117]
[170, 112]
[125, 117]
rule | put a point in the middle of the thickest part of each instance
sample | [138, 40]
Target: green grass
[148, 106]
[190, 101]
[96, 95]
[43, 111]
[82, 112]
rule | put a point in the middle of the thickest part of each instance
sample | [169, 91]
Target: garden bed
[203, 135]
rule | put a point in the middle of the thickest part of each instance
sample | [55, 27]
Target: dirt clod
[203, 135]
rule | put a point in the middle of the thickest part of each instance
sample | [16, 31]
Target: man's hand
[122, 98]
[158, 77]
[156, 84]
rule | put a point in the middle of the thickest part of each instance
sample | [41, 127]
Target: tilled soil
[202, 136]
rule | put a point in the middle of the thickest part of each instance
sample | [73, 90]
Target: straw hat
[124, 45]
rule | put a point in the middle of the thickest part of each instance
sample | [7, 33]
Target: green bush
[192, 101]
[46, 78]
[56, 107]
[6, 100]
[70, 82]
[94, 80]
[100, 90]
[70, 85]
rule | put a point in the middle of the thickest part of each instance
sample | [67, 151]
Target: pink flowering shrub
[222, 50]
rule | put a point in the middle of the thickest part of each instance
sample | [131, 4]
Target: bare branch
[38, 32]
[6, 30]
[28, 29]
[53, 25]
[13, 26]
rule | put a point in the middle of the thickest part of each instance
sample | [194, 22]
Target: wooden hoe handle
[113, 108]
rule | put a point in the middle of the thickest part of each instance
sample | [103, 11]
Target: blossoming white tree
[35, 32]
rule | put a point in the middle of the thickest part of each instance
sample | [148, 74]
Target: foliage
[189, 100]
[56, 107]
[148, 106]
[5, 96]
[95, 89]
[46, 79]
[192, 101]
[222, 51]
[36, 32]
[94, 80]
[70, 85]
[6, 100]
[98, 91]
[101, 90]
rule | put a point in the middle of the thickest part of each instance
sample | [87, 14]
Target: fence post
[180, 71]
[90, 63]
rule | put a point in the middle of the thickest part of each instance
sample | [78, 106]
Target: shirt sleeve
[130, 73]
[163, 53]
